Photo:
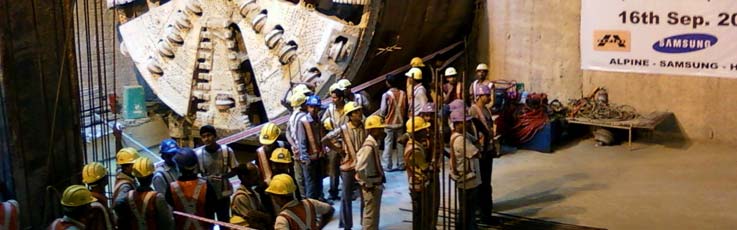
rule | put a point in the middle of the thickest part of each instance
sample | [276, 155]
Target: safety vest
[351, 144]
[264, 162]
[376, 179]
[465, 176]
[167, 175]
[66, 223]
[252, 199]
[396, 109]
[119, 183]
[9, 215]
[101, 198]
[189, 197]
[416, 175]
[314, 147]
[142, 211]
[301, 217]
[100, 217]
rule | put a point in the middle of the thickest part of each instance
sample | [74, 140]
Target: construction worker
[9, 210]
[75, 202]
[369, 173]
[361, 98]
[352, 134]
[435, 150]
[248, 204]
[484, 130]
[297, 89]
[297, 214]
[464, 170]
[308, 134]
[95, 176]
[267, 138]
[418, 97]
[190, 194]
[393, 109]
[144, 208]
[453, 89]
[415, 156]
[216, 163]
[482, 72]
[124, 180]
[300, 110]
[335, 116]
[416, 62]
[166, 172]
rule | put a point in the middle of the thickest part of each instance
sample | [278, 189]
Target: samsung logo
[685, 43]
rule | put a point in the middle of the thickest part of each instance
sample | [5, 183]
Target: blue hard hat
[186, 159]
[313, 100]
[168, 146]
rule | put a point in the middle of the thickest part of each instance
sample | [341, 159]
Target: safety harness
[140, 213]
[189, 205]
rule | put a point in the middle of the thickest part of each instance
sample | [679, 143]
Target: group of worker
[343, 142]
[284, 189]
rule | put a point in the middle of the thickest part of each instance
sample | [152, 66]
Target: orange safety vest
[314, 148]
[119, 184]
[301, 217]
[142, 211]
[264, 165]
[396, 108]
[349, 147]
[61, 224]
[100, 217]
[417, 178]
[189, 196]
[9, 215]
[101, 198]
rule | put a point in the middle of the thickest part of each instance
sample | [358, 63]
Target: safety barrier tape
[229, 225]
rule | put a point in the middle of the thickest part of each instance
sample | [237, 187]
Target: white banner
[682, 37]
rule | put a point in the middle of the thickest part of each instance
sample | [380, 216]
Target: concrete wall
[537, 42]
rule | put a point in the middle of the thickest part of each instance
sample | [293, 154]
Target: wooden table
[649, 122]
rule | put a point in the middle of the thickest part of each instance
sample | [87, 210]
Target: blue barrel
[134, 103]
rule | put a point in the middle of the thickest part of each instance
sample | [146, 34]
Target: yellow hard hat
[344, 83]
[450, 71]
[126, 156]
[414, 73]
[374, 122]
[281, 184]
[416, 62]
[297, 99]
[281, 155]
[237, 220]
[76, 195]
[327, 124]
[143, 167]
[416, 124]
[482, 66]
[350, 107]
[269, 133]
[93, 172]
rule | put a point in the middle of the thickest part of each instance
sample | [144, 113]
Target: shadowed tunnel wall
[39, 115]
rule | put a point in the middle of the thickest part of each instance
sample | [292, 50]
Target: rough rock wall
[537, 42]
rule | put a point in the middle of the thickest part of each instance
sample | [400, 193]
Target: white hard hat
[482, 66]
[450, 71]
[414, 73]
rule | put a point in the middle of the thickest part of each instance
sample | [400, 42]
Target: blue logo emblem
[685, 43]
